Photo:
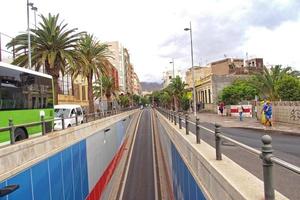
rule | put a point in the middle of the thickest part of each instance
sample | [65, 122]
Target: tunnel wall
[79, 171]
[184, 184]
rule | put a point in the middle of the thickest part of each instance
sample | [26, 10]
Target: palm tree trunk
[55, 89]
[90, 93]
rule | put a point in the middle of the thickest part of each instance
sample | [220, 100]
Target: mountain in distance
[151, 86]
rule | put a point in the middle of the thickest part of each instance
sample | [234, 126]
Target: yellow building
[73, 92]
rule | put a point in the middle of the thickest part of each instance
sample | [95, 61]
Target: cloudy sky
[153, 30]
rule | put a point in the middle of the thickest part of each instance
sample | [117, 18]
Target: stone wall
[285, 111]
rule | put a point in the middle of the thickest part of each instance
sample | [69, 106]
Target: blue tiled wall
[62, 176]
[184, 184]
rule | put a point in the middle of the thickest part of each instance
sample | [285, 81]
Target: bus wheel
[20, 134]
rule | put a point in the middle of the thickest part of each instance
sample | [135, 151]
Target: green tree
[136, 99]
[91, 62]
[52, 46]
[288, 88]
[124, 100]
[177, 88]
[107, 89]
[238, 91]
[266, 82]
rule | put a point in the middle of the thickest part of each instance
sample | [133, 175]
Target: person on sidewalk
[240, 110]
[268, 113]
[221, 108]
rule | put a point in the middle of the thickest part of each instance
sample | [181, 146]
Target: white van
[68, 111]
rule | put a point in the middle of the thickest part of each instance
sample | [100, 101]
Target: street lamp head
[30, 4]
[171, 62]
[34, 8]
[187, 29]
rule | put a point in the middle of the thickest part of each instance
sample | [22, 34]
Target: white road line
[129, 159]
[154, 161]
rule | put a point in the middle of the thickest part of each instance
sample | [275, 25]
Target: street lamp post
[28, 33]
[34, 10]
[172, 62]
[193, 74]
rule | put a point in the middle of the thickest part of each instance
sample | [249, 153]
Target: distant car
[142, 107]
[68, 111]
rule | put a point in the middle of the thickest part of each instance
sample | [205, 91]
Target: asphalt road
[286, 147]
[140, 180]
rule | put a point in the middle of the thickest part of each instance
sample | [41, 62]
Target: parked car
[68, 111]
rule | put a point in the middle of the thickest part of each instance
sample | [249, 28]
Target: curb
[269, 131]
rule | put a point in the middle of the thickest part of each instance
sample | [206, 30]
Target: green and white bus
[25, 96]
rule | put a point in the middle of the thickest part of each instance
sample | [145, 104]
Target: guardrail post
[218, 142]
[94, 116]
[63, 122]
[76, 119]
[175, 122]
[172, 119]
[43, 125]
[197, 131]
[86, 118]
[11, 131]
[266, 155]
[179, 121]
[186, 124]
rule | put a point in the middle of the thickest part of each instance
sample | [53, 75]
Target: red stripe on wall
[100, 186]
[235, 110]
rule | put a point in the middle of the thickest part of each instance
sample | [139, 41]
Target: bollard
[43, 125]
[63, 122]
[197, 131]
[172, 116]
[186, 125]
[94, 116]
[175, 122]
[76, 119]
[218, 142]
[266, 155]
[86, 118]
[11, 131]
[179, 121]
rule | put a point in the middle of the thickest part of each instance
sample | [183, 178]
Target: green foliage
[124, 100]
[136, 99]
[238, 91]
[185, 102]
[266, 82]
[288, 88]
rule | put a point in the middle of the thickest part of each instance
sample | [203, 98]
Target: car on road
[68, 112]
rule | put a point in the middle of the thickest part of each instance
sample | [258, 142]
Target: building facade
[168, 76]
[219, 74]
[120, 60]
[199, 73]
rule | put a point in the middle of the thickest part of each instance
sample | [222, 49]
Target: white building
[168, 75]
[118, 61]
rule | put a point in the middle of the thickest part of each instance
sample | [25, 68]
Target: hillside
[151, 86]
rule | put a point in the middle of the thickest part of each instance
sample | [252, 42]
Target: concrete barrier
[75, 163]
[195, 165]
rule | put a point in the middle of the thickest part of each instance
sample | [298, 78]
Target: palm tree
[177, 88]
[91, 62]
[266, 82]
[53, 47]
[107, 87]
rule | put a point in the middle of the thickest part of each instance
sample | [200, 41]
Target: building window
[205, 97]
[65, 84]
[83, 93]
[209, 96]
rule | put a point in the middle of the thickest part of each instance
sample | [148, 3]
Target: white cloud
[143, 27]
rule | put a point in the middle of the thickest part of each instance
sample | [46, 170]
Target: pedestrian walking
[221, 108]
[241, 110]
[268, 113]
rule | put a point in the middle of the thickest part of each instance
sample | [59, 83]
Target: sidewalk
[248, 123]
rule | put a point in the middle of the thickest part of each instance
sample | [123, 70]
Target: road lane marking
[123, 182]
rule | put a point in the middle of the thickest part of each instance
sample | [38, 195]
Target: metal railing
[86, 118]
[266, 153]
